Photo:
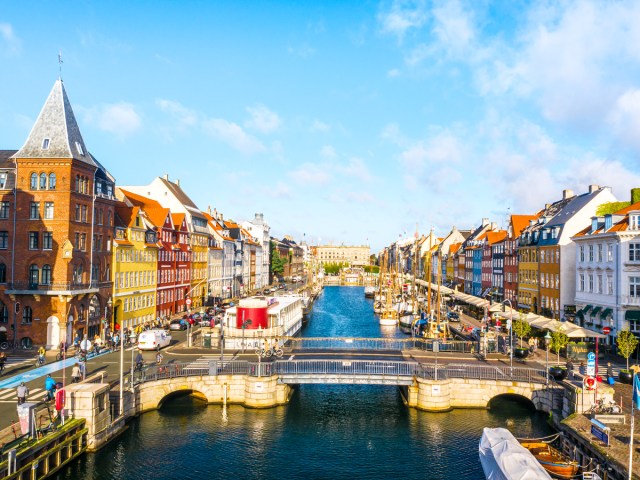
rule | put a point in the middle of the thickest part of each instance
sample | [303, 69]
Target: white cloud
[185, 116]
[10, 44]
[625, 118]
[356, 168]
[393, 73]
[403, 15]
[302, 51]
[280, 191]
[311, 173]
[454, 28]
[328, 152]
[358, 197]
[319, 126]
[233, 135]
[262, 119]
[121, 119]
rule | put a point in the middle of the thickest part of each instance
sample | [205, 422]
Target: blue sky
[343, 122]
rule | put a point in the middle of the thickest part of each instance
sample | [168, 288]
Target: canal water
[325, 432]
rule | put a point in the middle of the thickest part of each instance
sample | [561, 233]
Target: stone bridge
[426, 387]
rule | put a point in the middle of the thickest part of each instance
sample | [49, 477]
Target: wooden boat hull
[552, 460]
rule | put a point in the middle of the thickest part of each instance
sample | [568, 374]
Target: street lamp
[245, 324]
[547, 339]
[107, 307]
[510, 334]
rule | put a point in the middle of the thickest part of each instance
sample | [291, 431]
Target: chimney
[546, 206]
[209, 210]
[178, 181]
[594, 188]
[567, 194]
[166, 176]
[494, 226]
[485, 222]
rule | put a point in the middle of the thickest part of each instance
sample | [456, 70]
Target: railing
[388, 344]
[297, 368]
[630, 300]
[55, 286]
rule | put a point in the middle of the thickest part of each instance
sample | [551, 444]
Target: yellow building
[135, 263]
[199, 243]
[528, 274]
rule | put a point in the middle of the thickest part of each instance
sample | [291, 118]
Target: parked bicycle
[269, 352]
[605, 407]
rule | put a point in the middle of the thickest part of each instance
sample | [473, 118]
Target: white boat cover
[503, 458]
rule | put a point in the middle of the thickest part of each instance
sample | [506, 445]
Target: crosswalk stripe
[7, 394]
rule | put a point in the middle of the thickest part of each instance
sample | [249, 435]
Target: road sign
[591, 364]
[591, 356]
[188, 302]
[606, 330]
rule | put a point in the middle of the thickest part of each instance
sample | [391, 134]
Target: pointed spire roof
[55, 133]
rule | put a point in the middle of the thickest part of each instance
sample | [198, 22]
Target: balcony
[630, 300]
[65, 288]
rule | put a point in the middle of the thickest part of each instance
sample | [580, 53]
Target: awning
[587, 308]
[581, 332]
[606, 312]
[580, 315]
[632, 315]
[595, 311]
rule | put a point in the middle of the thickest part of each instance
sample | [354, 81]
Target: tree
[277, 262]
[333, 268]
[521, 328]
[559, 340]
[627, 343]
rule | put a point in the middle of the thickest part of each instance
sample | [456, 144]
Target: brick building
[56, 229]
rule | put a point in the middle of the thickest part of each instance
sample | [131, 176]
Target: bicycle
[40, 360]
[4, 345]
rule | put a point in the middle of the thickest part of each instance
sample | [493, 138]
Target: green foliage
[333, 268]
[277, 262]
[627, 343]
[610, 207]
[558, 341]
[521, 329]
[372, 269]
[373, 260]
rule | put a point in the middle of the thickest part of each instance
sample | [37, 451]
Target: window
[78, 183]
[77, 212]
[33, 182]
[4, 313]
[3, 273]
[34, 275]
[4, 240]
[600, 286]
[3, 180]
[84, 213]
[634, 221]
[52, 181]
[634, 252]
[590, 282]
[48, 210]
[634, 287]
[4, 209]
[43, 181]
[609, 284]
[47, 240]
[45, 144]
[27, 315]
[79, 148]
[34, 211]
[609, 252]
[582, 253]
[600, 252]
[33, 240]
[46, 275]
[83, 242]
[591, 253]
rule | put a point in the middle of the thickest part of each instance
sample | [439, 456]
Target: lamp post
[259, 354]
[122, 367]
[510, 334]
[547, 339]
[222, 339]
[245, 324]
[106, 322]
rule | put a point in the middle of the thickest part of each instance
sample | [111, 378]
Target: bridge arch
[182, 393]
[517, 397]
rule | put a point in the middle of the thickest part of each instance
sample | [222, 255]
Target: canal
[325, 432]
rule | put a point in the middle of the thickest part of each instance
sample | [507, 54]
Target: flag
[636, 391]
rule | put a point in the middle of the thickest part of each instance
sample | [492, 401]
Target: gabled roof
[520, 222]
[177, 191]
[495, 237]
[156, 213]
[631, 208]
[57, 123]
[454, 247]
[177, 218]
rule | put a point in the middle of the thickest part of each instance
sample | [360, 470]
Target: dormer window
[634, 221]
[79, 148]
[594, 224]
[45, 144]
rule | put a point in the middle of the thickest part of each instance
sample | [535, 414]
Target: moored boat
[503, 458]
[369, 291]
[553, 461]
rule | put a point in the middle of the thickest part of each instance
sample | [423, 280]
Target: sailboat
[389, 314]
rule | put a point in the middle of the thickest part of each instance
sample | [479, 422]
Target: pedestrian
[75, 373]
[3, 360]
[570, 369]
[22, 392]
[158, 358]
[83, 367]
[610, 379]
[582, 369]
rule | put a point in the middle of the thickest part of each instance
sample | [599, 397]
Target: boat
[503, 458]
[553, 461]
[369, 291]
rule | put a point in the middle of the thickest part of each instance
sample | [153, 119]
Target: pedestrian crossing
[8, 395]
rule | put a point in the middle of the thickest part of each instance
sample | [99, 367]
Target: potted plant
[627, 343]
[558, 341]
[521, 329]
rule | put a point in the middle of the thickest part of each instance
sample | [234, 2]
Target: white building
[261, 231]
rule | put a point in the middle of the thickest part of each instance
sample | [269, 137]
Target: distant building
[354, 256]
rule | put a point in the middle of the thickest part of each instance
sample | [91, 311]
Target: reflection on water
[325, 432]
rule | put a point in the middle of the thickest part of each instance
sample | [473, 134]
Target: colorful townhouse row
[79, 254]
[576, 259]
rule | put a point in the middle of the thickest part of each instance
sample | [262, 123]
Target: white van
[153, 339]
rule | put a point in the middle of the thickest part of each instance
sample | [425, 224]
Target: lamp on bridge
[245, 324]
[547, 340]
[510, 334]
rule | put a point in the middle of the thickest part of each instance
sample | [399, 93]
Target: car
[453, 316]
[475, 333]
[177, 325]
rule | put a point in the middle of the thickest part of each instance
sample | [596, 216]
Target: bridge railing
[345, 367]
[480, 372]
[395, 344]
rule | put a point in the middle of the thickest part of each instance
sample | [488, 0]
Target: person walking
[570, 369]
[75, 373]
[158, 358]
[3, 360]
[22, 392]
[610, 379]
